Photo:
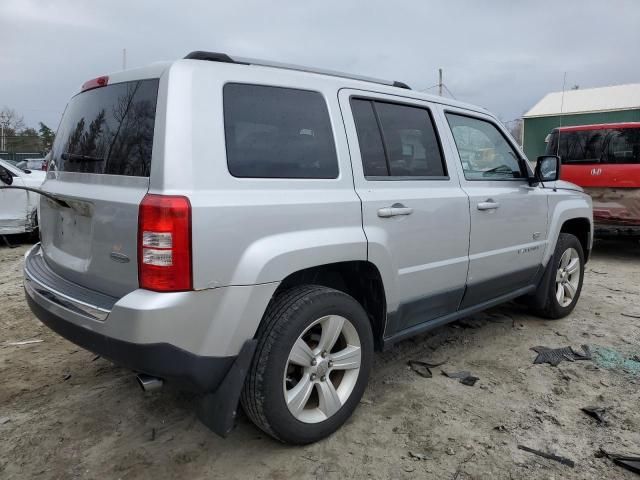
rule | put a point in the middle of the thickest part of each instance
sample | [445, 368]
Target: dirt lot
[66, 414]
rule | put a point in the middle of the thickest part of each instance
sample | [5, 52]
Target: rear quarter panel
[248, 231]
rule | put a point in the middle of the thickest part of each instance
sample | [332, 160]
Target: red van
[604, 159]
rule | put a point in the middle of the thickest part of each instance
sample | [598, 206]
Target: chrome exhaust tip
[149, 383]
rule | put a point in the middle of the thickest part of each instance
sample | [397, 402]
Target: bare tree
[11, 120]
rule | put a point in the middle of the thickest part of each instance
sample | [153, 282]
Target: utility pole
[124, 59]
[440, 81]
[2, 140]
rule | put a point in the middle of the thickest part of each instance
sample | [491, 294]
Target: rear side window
[274, 132]
[108, 130]
[397, 140]
[374, 161]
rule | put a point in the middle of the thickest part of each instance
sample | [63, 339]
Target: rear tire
[565, 285]
[311, 365]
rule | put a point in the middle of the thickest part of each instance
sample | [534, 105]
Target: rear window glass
[274, 132]
[108, 130]
[597, 146]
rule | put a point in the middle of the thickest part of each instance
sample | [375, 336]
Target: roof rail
[223, 57]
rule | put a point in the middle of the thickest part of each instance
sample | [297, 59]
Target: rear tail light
[164, 243]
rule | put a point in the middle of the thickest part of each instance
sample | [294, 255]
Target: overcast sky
[503, 54]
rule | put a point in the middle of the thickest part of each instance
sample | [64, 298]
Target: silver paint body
[250, 234]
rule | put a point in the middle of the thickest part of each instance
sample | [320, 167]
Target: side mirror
[5, 176]
[548, 168]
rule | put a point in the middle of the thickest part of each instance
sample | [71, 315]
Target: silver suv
[254, 231]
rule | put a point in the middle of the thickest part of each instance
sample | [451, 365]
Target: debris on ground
[462, 464]
[630, 462]
[630, 315]
[4, 420]
[66, 377]
[611, 359]
[563, 460]
[596, 412]
[97, 357]
[464, 376]
[423, 368]
[553, 356]
[417, 456]
[597, 272]
[24, 342]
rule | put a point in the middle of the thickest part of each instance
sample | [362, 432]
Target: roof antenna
[564, 82]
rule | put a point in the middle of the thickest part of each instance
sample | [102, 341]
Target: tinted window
[108, 130]
[274, 132]
[596, 146]
[484, 151]
[410, 140]
[374, 161]
[411, 147]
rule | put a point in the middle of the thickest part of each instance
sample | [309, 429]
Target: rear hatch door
[99, 168]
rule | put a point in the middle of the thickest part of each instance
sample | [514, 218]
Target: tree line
[16, 136]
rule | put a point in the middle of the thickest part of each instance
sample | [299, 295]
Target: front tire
[311, 366]
[567, 274]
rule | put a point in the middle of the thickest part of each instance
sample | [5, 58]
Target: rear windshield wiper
[76, 157]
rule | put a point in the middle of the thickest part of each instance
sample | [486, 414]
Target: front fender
[563, 206]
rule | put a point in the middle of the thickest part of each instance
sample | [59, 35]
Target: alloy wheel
[322, 369]
[568, 277]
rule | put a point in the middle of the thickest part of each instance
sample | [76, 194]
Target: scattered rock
[4, 420]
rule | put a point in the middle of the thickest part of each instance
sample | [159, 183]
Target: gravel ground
[66, 414]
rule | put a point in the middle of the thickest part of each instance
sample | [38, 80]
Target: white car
[31, 164]
[18, 208]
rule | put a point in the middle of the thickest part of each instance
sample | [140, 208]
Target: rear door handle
[394, 210]
[488, 205]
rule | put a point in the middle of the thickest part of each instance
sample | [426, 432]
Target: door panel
[508, 217]
[417, 227]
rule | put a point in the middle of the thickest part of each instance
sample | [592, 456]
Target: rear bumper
[190, 338]
[163, 360]
[609, 230]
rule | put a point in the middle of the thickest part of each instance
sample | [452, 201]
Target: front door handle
[488, 205]
[394, 210]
